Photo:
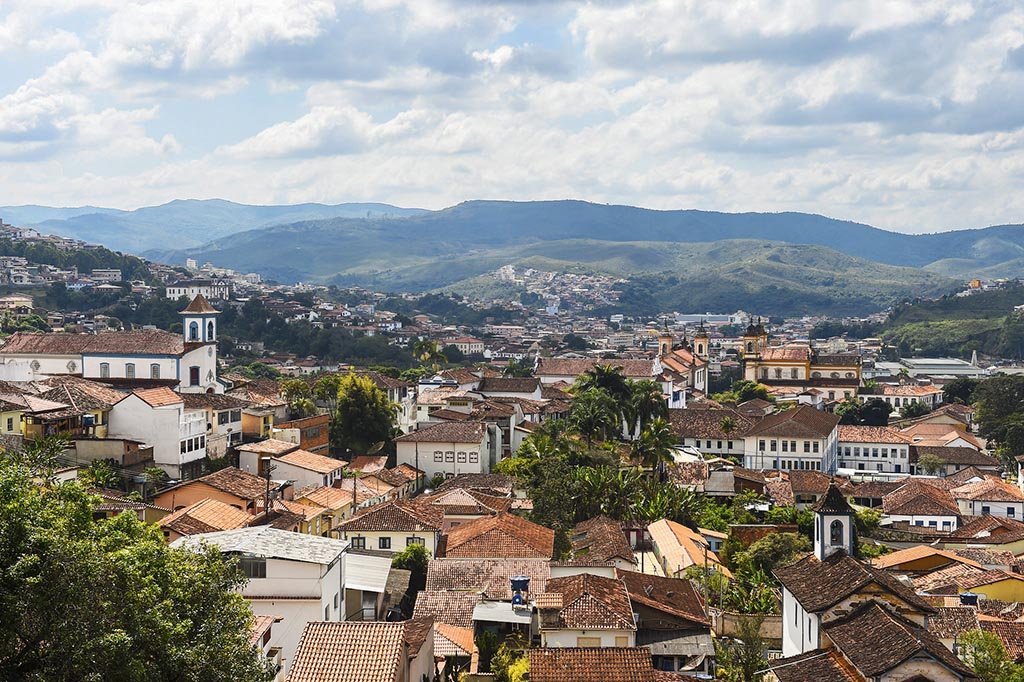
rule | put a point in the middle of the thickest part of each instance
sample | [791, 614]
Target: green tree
[299, 396]
[653, 449]
[487, 645]
[960, 390]
[915, 409]
[413, 558]
[593, 414]
[88, 599]
[772, 551]
[101, 474]
[518, 368]
[985, 654]
[741, 659]
[429, 353]
[364, 417]
[848, 411]
[646, 403]
[875, 412]
[606, 377]
[325, 391]
[930, 464]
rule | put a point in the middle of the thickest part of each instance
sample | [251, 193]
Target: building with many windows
[801, 438]
[874, 449]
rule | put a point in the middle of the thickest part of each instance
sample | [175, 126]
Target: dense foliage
[85, 260]
[88, 599]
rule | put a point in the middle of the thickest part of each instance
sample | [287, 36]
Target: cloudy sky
[906, 115]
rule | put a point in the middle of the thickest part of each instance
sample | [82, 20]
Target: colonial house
[677, 547]
[393, 526]
[205, 516]
[900, 396]
[991, 496]
[229, 485]
[223, 416]
[451, 448]
[798, 365]
[917, 503]
[801, 438]
[187, 362]
[713, 431]
[585, 611]
[299, 577]
[687, 363]
[873, 449]
[502, 536]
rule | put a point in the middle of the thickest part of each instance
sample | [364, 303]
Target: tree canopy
[363, 416]
[88, 599]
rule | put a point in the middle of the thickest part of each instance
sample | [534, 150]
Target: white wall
[204, 357]
[398, 539]
[427, 451]
[91, 366]
[940, 522]
[1013, 510]
[160, 427]
[569, 638]
[868, 456]
[799, 628]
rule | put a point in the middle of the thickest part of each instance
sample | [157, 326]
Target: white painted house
[451, 448]
[157, 418]
[874, 448]
[801, 438]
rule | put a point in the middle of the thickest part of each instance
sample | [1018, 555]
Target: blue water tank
[520, 583]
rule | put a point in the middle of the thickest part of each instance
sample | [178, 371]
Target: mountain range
[680, 258]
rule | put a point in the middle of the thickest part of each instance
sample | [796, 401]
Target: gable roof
[989, 529]
[819, 585]
[601, 539]
[591, 602]
[802, 421]
[311, 461]
[707, 423]
[234, 481]
[447, 432]
[591, 665]
[496, 482]
[901, 556]
[447, 606]
[674, 596]
[397, 515]
[270, 542]
[503, 535]
[832, 502]
[1010, 633]
[140, 342]
[451, 640]
[160, 396]
[989, 490]
[820, 665]
[486, 576]
[347, 651]
[851, 433]
[205, 516]
[631, 369]
[508, 385]
[268, 446]
[682, 547]
[917, 498]
[876, 640]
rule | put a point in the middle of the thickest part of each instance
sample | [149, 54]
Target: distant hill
[808, 260]
[178, 224]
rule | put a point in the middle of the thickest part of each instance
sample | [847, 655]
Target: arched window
[849, 375]
[794, 373]
[700, 349]
[750, 346]
[835, 375]
[209, 330]
[816, 375]
[154, 371]
[193, 331]
[835, 533]
[104, 370]
[778, 373]
[129, 370]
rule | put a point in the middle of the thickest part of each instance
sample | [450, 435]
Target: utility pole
[268, 468]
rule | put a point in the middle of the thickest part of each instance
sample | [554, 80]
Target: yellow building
[798, 366]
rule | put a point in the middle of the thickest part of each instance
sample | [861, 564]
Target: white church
[132, 359]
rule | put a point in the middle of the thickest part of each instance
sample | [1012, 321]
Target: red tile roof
[447, 432]
[504, 535]
[591, 665]
[802, 421]
[591, 602]
[159, 397]
[334, 651]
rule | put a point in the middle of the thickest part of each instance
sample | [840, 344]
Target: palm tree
[607, 378]
[646, 402]
[727, 425]
[593, 415]
[653, 449]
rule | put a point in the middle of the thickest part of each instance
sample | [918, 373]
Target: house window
[474, 457]
[815, 446]
[129, 370]
[774, 446]
[807, 446]
[223, 418]
[592, 642]
[414, 541]
[438, 456]
[985, 509]
[10, 423]
[327, 612]
[462, 457]
[778, 373]
[154, 371]
[209, 331]
[104, 370]
[621, 641]
[785, 446]
[794, 373]
[760, 445]
[358, 543]
[253, 567]
[384, 543]
[336, 600]
[449, 456]
[1010, 511]
[193, 376]
[236, 415]
[193, 331]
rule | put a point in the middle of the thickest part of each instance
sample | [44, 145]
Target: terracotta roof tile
[849, 433]
[349, 652]
[447, 432]
[707, 423]
[632, 369]
[269, 446]
[819, 665]
[397, 515]
[819, 585]
[876, 640]
[205, 516]
[591, 665]
[200, 306]
[1011, 634]
[142, 342]
[670, 595]
[602, 539]
[235, 481]
[311, 461]
[497, 482]
[508, 385]
[989, 490]
[952, 621]
[486, 576]
[503, 535]
[916, 498]
[447, 606]
[453, 641]
[158, 397]
[802, 421]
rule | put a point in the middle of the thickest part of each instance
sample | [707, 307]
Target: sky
[904, 115]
